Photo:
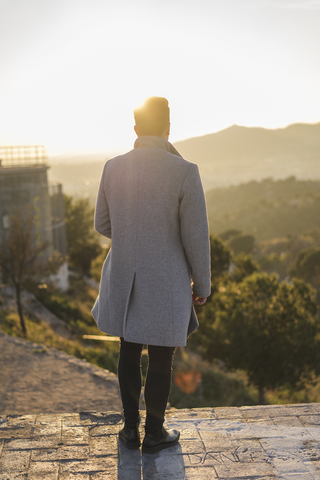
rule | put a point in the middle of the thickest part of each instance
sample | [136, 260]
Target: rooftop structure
[23, 156]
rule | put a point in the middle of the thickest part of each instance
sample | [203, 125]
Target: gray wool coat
[151, 204]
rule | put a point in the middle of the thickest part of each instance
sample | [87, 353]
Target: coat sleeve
[195, 231]
[102, 222]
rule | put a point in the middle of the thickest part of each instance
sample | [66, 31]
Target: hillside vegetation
[267, 209]
[262, 316]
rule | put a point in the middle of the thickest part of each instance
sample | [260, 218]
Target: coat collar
[155, 142]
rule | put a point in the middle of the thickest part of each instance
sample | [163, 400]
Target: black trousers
[157, 385]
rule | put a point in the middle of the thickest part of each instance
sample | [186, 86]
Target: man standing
[151, 204]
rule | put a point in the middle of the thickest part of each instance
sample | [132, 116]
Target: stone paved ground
[271, 442]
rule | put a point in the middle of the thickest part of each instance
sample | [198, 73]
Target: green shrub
[217, 389]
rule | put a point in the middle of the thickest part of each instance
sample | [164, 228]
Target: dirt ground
[37, 379]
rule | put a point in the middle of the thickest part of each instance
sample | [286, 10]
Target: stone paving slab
[256, 443]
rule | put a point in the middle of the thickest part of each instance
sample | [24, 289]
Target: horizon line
[118, 151]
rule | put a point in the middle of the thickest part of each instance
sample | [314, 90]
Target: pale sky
[71, 71]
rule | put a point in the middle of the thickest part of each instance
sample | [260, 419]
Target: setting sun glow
[72, 72]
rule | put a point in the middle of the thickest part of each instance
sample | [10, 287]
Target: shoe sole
[159, 447]
[130, 445]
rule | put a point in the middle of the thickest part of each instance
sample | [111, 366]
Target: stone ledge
[36, 379]
[262, 442]
[58, 354]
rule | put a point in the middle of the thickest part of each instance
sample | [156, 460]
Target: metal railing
[108, 338]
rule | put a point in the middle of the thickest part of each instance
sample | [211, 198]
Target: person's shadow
[168, 463]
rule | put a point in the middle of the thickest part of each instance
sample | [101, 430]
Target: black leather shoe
[162, 438]
[130, 436]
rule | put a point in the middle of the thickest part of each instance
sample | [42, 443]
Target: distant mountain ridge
[240, 154]
[229, 157]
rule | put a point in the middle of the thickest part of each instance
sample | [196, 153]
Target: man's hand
[198, 300]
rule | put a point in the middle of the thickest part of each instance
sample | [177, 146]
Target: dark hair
[153, 116]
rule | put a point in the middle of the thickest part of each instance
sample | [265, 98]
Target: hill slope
[266, 209]
[240, 154]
